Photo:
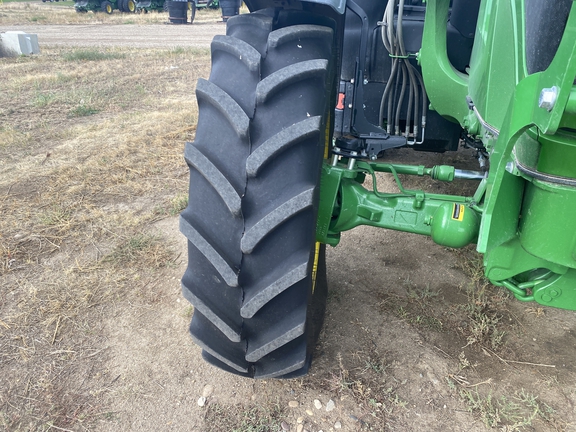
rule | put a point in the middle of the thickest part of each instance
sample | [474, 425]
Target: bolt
[365, 81]
[510, 166]
[352, 81]
[350, 106]
[373, 157]
[335, 152]
[548, 98]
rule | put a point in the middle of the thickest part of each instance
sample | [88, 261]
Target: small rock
[293, 404]
[317, 404]
[299, 428]
[285, 426]
[337, 425]
[201, 401]
[300, 420]
[208, 390]
[309, 412]
[330, 405]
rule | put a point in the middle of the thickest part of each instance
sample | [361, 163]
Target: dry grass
[50, 13]
[239, 418]
[79, 189]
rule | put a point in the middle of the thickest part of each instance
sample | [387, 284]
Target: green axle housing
[522, 214]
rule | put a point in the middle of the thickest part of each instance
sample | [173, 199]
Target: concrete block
[15, 43]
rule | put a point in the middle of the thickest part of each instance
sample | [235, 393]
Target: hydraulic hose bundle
[402, 74]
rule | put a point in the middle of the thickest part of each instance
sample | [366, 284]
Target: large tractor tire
[256, 276]
[192, 9]
[130, 6]
[106, 7]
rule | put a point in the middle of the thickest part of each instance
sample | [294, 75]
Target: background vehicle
[302, 104]
[107, 6]
[161, 5]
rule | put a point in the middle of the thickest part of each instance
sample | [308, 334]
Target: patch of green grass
[178, 203]
[239, 418]
[63, 78]
[142, 250]
[83, 111]
[37, 18]
[178, 50]
[484, 327]
[486, 305]
[44, 99]
[174, 207]
[91, 55]
[421, 320]
[192, 51]
[55, 216]
[513, 413]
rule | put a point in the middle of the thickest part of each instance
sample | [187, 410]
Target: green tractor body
[161, 5]
[106, 6]
[321, 91]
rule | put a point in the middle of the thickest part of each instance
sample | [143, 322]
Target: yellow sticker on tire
[315, 265]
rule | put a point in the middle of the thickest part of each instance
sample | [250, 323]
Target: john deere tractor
[304, 101]
[161, 5]
[106, 6]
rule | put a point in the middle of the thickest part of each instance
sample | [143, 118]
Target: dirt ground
[414, 339]
[152, 36]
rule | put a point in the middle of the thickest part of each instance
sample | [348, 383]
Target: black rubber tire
[129, 6]
[106, 7]
[192, 8]
[545, 24]
[255, 275]
[121, 4]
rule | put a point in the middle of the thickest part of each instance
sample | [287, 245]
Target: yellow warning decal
[458, 212]
[315, 266]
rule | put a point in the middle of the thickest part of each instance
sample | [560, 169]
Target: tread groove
[280, 142]
[255, 354]
[209, 313]
[289, 75]
[214, 354]
[252, 28]
[214, 95]
[236, 47]
[268, 223]
[289, 358]
[299, 32]
[229, 275]
[255, 303]
[214, 176]
[262, 22]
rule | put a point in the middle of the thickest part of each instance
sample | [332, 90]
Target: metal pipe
[469, 175]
